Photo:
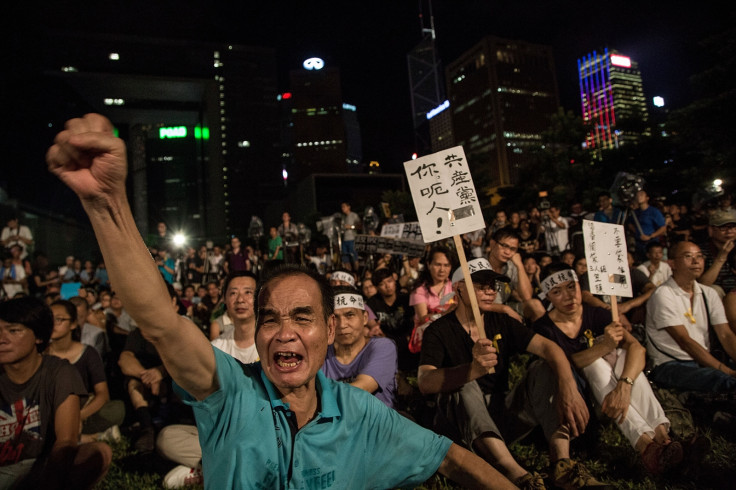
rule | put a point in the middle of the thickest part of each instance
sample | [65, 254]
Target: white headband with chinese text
[555, 279]
[348, 300]
[343, 276]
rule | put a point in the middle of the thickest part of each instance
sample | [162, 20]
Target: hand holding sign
[447, 206]
[608, 269]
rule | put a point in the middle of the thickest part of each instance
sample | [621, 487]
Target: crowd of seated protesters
[685, 264]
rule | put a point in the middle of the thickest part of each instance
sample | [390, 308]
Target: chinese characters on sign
[605, 251]
[444, 195]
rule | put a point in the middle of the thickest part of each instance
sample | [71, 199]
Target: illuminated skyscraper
[502, 93]
[612, 100]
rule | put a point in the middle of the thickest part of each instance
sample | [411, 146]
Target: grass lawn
[609, 457]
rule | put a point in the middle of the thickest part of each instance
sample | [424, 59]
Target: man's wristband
[626, 380]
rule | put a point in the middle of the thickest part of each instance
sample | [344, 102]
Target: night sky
[369, 40]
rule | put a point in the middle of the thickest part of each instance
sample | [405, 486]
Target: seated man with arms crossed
[279, 423]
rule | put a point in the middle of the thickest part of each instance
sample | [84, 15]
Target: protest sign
[447, 205]
[608, 268]
[444, 194]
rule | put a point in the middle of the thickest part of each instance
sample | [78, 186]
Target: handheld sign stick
[471, 292]
[447, 205]
[469, 285]
[608, 271]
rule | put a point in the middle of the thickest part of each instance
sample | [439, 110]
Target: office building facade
[501, 95]
[200, 119]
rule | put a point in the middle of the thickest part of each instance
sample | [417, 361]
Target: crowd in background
[403, 294]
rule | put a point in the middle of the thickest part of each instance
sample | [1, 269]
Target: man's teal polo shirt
[355, 441]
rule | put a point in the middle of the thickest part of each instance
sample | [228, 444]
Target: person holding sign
[473, 404]
[610, 361]
[278, 423]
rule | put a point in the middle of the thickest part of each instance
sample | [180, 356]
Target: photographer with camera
[555, 228]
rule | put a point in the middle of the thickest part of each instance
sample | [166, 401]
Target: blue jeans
[691, 376]
[349, 255]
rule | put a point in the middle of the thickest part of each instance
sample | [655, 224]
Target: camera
[624, 189]
[543, 203]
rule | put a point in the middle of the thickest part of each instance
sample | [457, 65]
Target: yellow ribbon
[495, 340]
[589, 335]
[689, 315]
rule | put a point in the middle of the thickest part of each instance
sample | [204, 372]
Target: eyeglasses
[727, 227]
[61, 319]
[508, 247]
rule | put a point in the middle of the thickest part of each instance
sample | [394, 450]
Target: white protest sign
[406, 231]
[444, 194]
[605, 252]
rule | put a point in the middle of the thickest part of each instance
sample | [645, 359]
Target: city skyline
[369, 42]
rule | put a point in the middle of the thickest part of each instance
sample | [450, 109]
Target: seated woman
[432, 296]
[100, 416]
[611, 363]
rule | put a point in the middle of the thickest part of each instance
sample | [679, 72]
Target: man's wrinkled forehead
[275, 292]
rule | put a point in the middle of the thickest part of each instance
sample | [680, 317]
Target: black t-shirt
[397, 322]
[91, 369]
[143, 350]
[594, 319]
[28, 410]
[446, 344]
[193, 276]
[397, 319]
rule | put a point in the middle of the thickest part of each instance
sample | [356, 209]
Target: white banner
[444, 194]
[605, 252]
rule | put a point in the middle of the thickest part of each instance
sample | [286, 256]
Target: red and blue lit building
[612, 97]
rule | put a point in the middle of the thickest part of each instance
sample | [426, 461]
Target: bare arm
[61, 457]
[590, 299]
[471, 471]
[525, 285]
[432, 379]
[614, 333]
[629, 305]
[92, 162]
[214, 330]
[420, 310]
[366, 383]
[102, 396]
[616, 403]
[710, 276]
[698, 352]
[129, 364]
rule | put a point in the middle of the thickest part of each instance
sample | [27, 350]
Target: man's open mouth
[287, 359]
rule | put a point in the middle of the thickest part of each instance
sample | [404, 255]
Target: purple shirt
[377, 359]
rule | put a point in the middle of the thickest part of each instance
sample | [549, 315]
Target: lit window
[114, 56]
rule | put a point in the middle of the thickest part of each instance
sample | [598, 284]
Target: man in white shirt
[179, 442]
[15, 234]
[655, 268]
[239, 342]
[555, 231]
[680, 315]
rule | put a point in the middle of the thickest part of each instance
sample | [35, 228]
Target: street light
[179, 240]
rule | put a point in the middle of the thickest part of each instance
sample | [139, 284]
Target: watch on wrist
[626, 380]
